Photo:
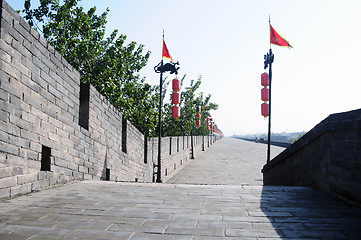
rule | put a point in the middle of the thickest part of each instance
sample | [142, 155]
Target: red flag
[166, 53]
[277, 39]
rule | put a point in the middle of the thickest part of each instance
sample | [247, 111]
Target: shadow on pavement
[301, 212]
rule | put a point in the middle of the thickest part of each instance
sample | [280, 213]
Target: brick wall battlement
[328, 158]
[54, 129]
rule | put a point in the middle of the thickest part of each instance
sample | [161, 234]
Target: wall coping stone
[350, 120]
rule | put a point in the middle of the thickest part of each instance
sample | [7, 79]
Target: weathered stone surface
[327, 157]
[107, 210]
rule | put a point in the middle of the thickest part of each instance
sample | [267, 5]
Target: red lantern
[176, 112]
[176, 98]
[265, 109]
[198, 116]
[176, 84]
[264, 79]
[198, 123]
[265, 94]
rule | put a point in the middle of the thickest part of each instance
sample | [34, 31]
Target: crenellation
[39, 106]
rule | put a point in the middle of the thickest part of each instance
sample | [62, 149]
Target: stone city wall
[328, 158]
[54, 129]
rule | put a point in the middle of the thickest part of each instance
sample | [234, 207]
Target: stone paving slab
[228, 161]
[109, 210]
[223, 198]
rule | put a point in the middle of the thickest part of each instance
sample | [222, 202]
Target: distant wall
[54, 129]
[328, 158]
[177, 151]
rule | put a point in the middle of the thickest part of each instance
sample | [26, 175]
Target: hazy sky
[224, 41]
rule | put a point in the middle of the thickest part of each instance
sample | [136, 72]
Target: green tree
[190, 104]
[106, 62]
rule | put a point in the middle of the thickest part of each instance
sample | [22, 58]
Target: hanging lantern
[264, 79]
[176, 84]
[198, 123]
[176, 98]
[265, 109]
[198, 116]
[176, 112]
[265, 94]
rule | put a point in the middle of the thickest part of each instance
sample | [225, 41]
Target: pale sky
[224, 41]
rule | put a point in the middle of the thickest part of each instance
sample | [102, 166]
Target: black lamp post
[161, 68]
[268, 60]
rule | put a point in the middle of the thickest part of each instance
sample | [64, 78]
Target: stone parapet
[328, 157]
[52, 124]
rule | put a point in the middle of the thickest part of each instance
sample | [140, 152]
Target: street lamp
[162, 68]
[268, 60]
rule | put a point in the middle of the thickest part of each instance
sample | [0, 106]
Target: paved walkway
[108, 210]
[230, 161]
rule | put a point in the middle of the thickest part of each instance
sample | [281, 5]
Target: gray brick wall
[40, 107]
[328, 157]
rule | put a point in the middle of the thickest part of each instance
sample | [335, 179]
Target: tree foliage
[112, 67]
[106, 62]
[190, 104]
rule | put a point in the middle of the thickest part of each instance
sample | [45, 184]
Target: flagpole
[269, 117]
[269, 61]
[269, 21]
[159, 167]
[270, 84]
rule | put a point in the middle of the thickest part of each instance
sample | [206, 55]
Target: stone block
[83, 169]
[7, 8]
[4, 117]
[88, 177]
[44, 43]
[5, 56]
[30, 83]
[35, 186]
[28, 135]
[19, 142]
[78, 175]
[60, 162]
[92, 171]
[6, 172]
[12, 32]
[40, 64]
[27, 178]
[4, 95]
[21, 49]
[8, 182]
[72, 166]
[47, 78]
[20, 189]
[5, 193]
[46, 60]
[8, 148]
[34, 164]
[28, 45]
[7, 17]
